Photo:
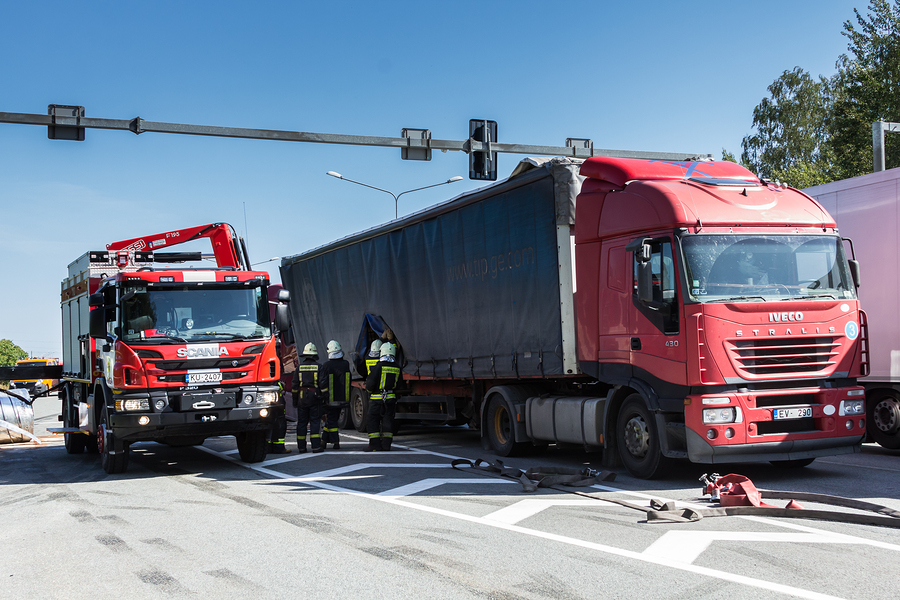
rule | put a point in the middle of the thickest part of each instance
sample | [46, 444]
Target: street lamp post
[396, 196]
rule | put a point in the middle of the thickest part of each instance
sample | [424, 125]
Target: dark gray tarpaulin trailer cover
[470, 286]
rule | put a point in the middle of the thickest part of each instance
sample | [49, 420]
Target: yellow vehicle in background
[35, 386]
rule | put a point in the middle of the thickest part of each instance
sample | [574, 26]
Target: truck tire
[252, 445]
[638, 439]
[75, 442]
[499, 428]
[884, 419]
[359, 407]
[345, 421]
[113, 453]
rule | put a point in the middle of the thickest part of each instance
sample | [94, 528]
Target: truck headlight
[266, 398]
[852, 407]
[719, 415]
[133, 404]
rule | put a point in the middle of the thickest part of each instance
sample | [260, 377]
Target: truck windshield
[184, 314]
[723, 268]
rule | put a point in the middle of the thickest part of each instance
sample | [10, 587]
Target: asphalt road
[196, 522]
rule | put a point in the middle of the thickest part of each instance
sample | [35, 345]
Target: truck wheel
[638, 439]
[884, 419]
[344, 419]
[75, 442]
[113, 453]
[252, 445]
[359, 406]
[499, 428]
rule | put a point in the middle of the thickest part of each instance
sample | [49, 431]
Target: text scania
[202, 352]
[785, 316]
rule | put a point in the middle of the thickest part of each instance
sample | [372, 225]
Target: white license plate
[792, 413]
[214, 377]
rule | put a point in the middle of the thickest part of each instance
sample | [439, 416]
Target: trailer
[649, 309]
[867, 209]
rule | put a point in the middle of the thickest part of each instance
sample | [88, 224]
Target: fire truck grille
[765, 357]
[212, 363]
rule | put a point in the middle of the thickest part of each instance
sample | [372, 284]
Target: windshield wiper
[739, 299]
[810, 297]
[233, 336]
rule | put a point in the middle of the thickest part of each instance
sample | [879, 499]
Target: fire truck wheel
[884, 419]
[359, 406]
[638, 439]
[499, 428]
[345, 421]
[252, 445]
[75, 442]
[113, 453]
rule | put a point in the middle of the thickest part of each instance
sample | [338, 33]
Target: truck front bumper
[701, 451]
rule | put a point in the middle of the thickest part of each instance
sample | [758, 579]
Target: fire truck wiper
[810, 297]
[233, 336]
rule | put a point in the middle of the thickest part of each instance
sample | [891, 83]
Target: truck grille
[212, 363]
[758, 357]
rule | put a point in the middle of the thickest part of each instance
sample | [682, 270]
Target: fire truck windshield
[193, 313]
[724, 268]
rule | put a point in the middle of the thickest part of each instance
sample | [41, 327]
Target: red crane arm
[221, 236]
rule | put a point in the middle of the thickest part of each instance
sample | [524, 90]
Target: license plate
[204, 377]
[792, 413]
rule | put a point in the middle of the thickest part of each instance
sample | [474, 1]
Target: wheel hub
[886, 416]
[636, 436]
[101, 438]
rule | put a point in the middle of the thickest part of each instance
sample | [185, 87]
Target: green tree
[790, 143]
[726, 155]
[9, 354]
[867, 89]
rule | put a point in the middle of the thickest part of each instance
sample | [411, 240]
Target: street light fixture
[396, 196]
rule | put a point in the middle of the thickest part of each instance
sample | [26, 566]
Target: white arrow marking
[528, 508]
[427, 484]
[686, 546]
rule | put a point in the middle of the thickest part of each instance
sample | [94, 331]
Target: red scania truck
[173, 354]
[651, 309]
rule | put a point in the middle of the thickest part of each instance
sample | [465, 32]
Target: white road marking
[317, 480]
[427, 484]
[528, 508]
[686, 546]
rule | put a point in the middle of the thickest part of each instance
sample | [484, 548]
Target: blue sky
[643, 75]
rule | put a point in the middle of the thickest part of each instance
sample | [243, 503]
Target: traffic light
[65, 122]
[483, 165]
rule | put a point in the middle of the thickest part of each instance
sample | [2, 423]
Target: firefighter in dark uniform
[307, 399]
[364, 366]
[279, 425]
[334, 384]
[382, 381]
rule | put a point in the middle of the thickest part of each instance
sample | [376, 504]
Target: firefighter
[381, 383]
[279, 426]
[334, 384]
[364, 366]
[305, 390]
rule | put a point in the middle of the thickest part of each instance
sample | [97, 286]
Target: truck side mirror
[284, 295]
[282, 318]
[97, 322]
[96, 299]
[645, 281]
[854, 271]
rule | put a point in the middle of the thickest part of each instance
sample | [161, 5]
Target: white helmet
[388, 350]
[333, 347]
[310, 350]
[375, 349]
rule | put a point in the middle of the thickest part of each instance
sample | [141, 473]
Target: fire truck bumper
[133, 427]
[700, 451]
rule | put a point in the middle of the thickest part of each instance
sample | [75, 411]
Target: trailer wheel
[75, 442]
[252, 445]
[884, 419]
[113, 453]
[638, 439]
[359, 406]
[499, 426]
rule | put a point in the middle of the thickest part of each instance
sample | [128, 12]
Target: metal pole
[877, 146]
